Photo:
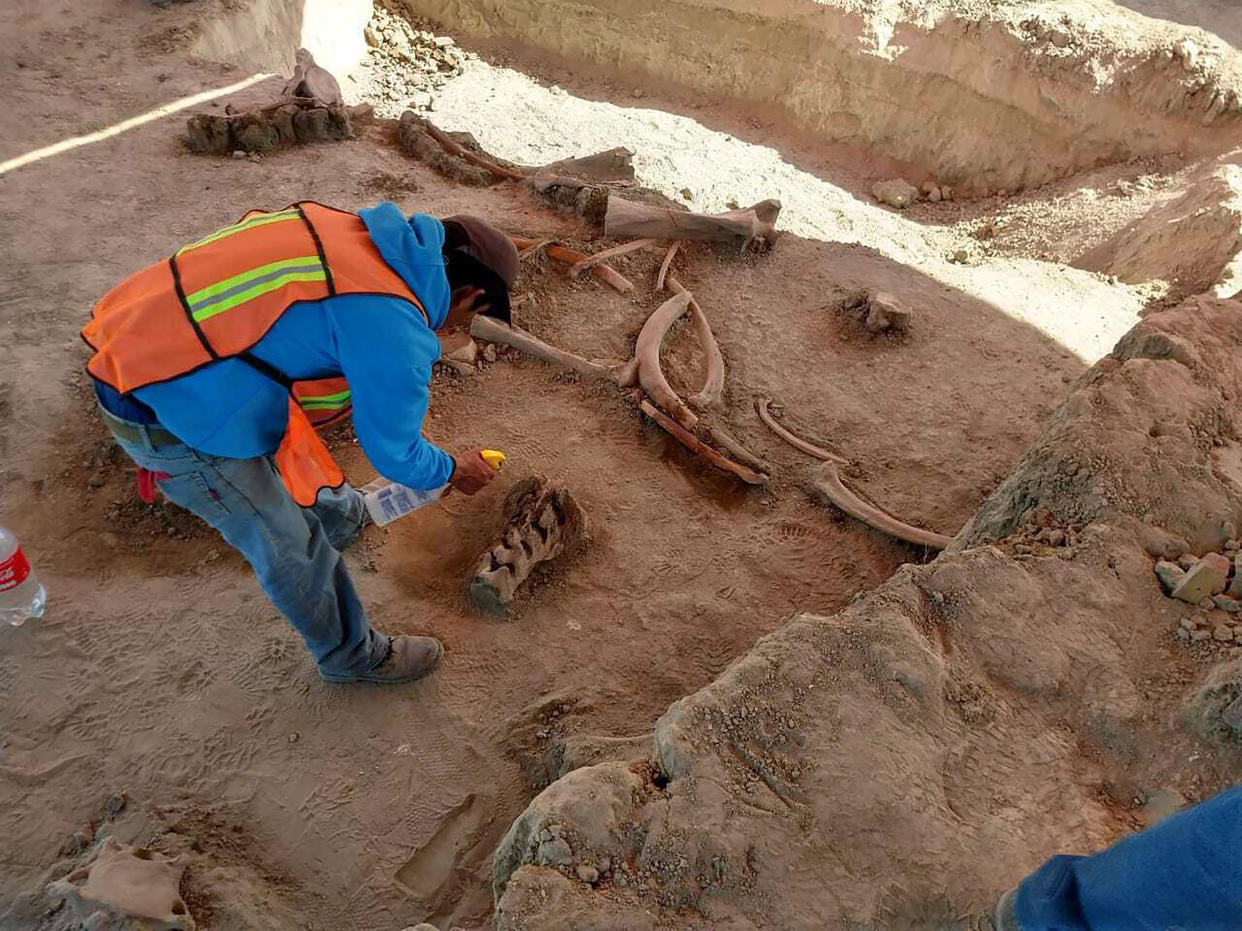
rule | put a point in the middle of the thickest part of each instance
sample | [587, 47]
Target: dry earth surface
[1005, 697]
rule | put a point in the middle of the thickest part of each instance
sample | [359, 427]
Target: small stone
[238, 153]
[1199, 635]
[1222, 632]
[116, 803]
[1188, 623]
[294, 737]
[587, 873]
[1022, 549]
[885, 312]
[932, 192]
[369, 36]
[1187, 561]
[1170, 575]
[445, 42]
[686, 193]
[555, 852]
[946, 193]
[1208, 577]
[75, 843]
[1183, 633]
[1188, 52]
[1232, 715]
[896, 193]
[1227, 604]
[1206, 604]
[1056, 537]
[639, 92]
[960, 256]
[489, 352]
[1235, 587]
[1231, 545]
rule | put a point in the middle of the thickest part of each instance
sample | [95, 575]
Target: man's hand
[472, 474]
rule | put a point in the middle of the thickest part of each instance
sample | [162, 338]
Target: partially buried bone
[543, 522]
[126, 887]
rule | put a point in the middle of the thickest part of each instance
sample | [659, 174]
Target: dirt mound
[985, 710]
[1048, 88]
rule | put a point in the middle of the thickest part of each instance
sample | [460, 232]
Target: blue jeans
[1183, 874]
[294, 551]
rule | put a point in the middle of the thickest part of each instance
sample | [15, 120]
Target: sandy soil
[161, 672]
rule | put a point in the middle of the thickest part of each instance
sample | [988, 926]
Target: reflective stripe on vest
[324, 400]
[250, 221]
[254, 283]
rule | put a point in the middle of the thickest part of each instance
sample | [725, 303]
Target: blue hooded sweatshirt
[380, 344]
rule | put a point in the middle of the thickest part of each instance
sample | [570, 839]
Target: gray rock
[1235, 587]
[886, 313]
[1227, 604]
[1207, 578]
[1187, 561]
[1232, 715]
[587, 873]
[555, 852]
[75, 843]
[1223, 633]
[896, 193]
[1170, 575]
[489, 352]
[1200, 635]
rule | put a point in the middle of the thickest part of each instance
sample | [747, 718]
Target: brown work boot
[408, 658]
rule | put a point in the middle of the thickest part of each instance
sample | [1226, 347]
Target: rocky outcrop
[911, 757]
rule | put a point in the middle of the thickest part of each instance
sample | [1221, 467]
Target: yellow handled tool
[494, 458]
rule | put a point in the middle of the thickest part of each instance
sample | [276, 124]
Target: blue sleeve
[386, 353]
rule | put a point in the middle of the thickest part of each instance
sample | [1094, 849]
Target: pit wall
[1006, 102]
[263, 35]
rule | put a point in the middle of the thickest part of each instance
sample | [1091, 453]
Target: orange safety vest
[217, 297]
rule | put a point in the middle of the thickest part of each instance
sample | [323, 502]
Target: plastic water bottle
[21, 595]
[386, 501]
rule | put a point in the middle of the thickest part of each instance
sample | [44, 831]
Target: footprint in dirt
[451, 858]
